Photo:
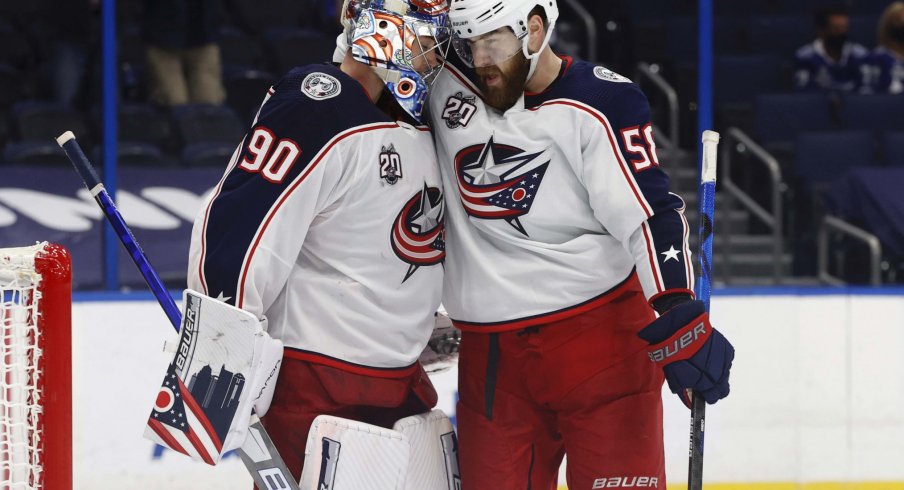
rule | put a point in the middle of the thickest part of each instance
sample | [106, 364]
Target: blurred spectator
[183, 57]
[74, 30]
[831, 62]
[886, 73]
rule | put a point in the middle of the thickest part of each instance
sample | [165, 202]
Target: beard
[508, 81]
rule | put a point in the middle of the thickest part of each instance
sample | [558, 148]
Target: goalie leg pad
[434, 452]
[343, 454]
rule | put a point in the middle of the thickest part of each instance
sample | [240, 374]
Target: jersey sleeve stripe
[201, 277]
[216, 193]
[246, 263]
[667, 292]
[651, 254]
[629, 177]
[687, 251]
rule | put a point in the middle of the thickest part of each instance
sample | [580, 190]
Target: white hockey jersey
[329, 223]
[555, 204]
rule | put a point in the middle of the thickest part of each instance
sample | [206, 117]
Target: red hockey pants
[582, 386]
[305, 390]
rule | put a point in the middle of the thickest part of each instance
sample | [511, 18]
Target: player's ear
[536, 31]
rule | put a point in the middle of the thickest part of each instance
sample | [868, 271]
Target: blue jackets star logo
[499, 181]
[418, 232]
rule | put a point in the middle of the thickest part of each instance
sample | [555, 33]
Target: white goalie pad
[434, 452]
[420, 453]
[343, 454]
[225, 365]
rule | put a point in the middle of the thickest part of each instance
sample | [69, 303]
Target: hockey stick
[707, 207]
[260, 456]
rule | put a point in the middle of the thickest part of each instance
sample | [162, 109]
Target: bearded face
[498, 58]
[503, 84]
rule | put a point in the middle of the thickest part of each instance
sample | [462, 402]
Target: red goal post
[36, 368]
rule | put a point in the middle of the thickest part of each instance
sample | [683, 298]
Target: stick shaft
[705, 254]
[707, 206]
[260, 456]
[89, 176]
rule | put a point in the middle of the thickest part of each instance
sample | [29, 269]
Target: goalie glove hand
[693, 355]
[441, 352]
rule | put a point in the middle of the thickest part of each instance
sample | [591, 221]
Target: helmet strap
[535, 57]
[386, 74]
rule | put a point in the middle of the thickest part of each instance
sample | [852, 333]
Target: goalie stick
[707, 208]
[258, 453]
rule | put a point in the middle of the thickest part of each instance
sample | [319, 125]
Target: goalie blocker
[224, 366]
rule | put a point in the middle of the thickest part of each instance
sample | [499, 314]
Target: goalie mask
[404, 41]
[489, 32]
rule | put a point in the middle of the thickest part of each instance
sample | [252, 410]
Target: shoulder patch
[609, 75]
[320, 86]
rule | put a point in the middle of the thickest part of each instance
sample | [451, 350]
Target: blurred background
[807, 96]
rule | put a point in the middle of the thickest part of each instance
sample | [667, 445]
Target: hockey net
[35, 368]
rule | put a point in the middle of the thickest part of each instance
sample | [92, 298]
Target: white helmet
[474, 18]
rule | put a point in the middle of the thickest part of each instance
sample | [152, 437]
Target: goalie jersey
[329, 223]
[557, 202]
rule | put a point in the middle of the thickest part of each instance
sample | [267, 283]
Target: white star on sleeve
[671, 253]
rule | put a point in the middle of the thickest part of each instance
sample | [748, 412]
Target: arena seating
[816, 137]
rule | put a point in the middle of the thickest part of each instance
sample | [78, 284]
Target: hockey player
[564, 242]
[328, 225]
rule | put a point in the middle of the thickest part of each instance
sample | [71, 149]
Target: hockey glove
[693, 355]
[441, 352]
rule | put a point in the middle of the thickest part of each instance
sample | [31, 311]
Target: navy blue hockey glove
[693, 355]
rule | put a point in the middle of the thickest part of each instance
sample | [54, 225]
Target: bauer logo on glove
[674, 350]
[692, 354]
[224, 367]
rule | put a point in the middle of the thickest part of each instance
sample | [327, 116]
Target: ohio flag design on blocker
[499, 181]
[178, 422]
[205, 401]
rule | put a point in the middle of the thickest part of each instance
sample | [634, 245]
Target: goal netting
[35, 378]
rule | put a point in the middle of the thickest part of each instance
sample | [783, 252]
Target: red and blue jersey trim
[552, 316]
